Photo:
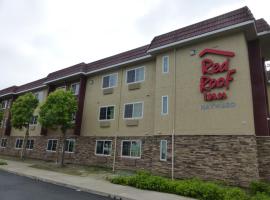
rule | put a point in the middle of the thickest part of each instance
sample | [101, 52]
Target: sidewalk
[87, 184]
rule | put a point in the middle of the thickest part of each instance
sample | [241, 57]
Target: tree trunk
[63, 149]
[26, 136]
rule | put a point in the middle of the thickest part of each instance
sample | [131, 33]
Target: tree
[57, 112]
[22, 111]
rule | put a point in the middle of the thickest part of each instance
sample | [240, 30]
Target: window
[106, 113]
[103, 147]
[39, 96]
[109, 81]
[34, 121]
[73, 117]
[4, 123]
[131, 148]
[69, 146]
[4, 104]
[165, 64]
[135, 75]
[3, 143]
[164, 105]
[133, 110]
[30, 144]
[75, 88]
[163, 150]
[19, 143]
[52, 144]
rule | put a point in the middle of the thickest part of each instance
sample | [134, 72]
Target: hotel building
[192, 103]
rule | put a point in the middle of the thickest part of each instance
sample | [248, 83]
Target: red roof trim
[217, 52]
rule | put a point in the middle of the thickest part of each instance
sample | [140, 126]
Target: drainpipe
[174, 114]
[118, 121]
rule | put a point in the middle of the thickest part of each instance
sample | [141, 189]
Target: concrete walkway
[87, 184]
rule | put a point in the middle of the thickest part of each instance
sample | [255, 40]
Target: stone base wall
[232, 159]
[263, 145]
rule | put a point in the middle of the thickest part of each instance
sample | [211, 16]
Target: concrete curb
[45, 180]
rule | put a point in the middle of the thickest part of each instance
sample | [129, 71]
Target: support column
[79, 114]
[259, 95]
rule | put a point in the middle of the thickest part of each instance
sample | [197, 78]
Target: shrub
[260, 196]
[260, 187]
[194, 188]
[235, 194]
[3, 162]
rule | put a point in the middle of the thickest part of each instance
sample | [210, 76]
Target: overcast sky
[41, 36]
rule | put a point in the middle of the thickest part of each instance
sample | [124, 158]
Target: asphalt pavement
[14, 187]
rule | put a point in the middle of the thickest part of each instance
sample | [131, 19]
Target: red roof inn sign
[210, 68]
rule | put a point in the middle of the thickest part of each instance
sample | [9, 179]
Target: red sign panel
[209, 68]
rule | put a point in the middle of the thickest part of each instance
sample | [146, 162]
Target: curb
[104, 194]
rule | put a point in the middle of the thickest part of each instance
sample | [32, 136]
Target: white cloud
[38, 37]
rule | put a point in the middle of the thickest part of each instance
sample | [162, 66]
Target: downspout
[118, 121]
[174, 114]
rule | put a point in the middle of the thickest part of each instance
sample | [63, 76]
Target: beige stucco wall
[94, 99]
[189, 117]
[34, 130]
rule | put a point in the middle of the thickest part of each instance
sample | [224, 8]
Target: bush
[3, 162]
[194, 188]
[260, 187]
[260, 196]
[235, 194]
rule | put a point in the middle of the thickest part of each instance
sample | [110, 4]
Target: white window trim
[104, 120]
[29, 148]
[131, 157]
[1, 143]
[71, 139]
[16, 143]
[48, 145]
[103, 155]
[133, 109]
[77, 83]
[163, 57]
[34, 125]
[162, 113]
[135, 75]
[6, 104]
[109, 86]
[160, 150]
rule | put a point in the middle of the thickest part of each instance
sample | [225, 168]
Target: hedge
[194, 188]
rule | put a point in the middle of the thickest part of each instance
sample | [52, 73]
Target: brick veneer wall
[232, 159]
[263, 145]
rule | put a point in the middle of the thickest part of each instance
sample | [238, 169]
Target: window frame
[38, 95]
[102, 120]
[131, 157]
[103, 88]
[105, 155]
[142, 102]
[48, 145]
[27, 148]
[16, 143]
[135, 75]
[77, 83]
[162, 101]
[32, 125]
[168, 67]
[5, 103]
[5, 143]
[70, 139]
[160, 150]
